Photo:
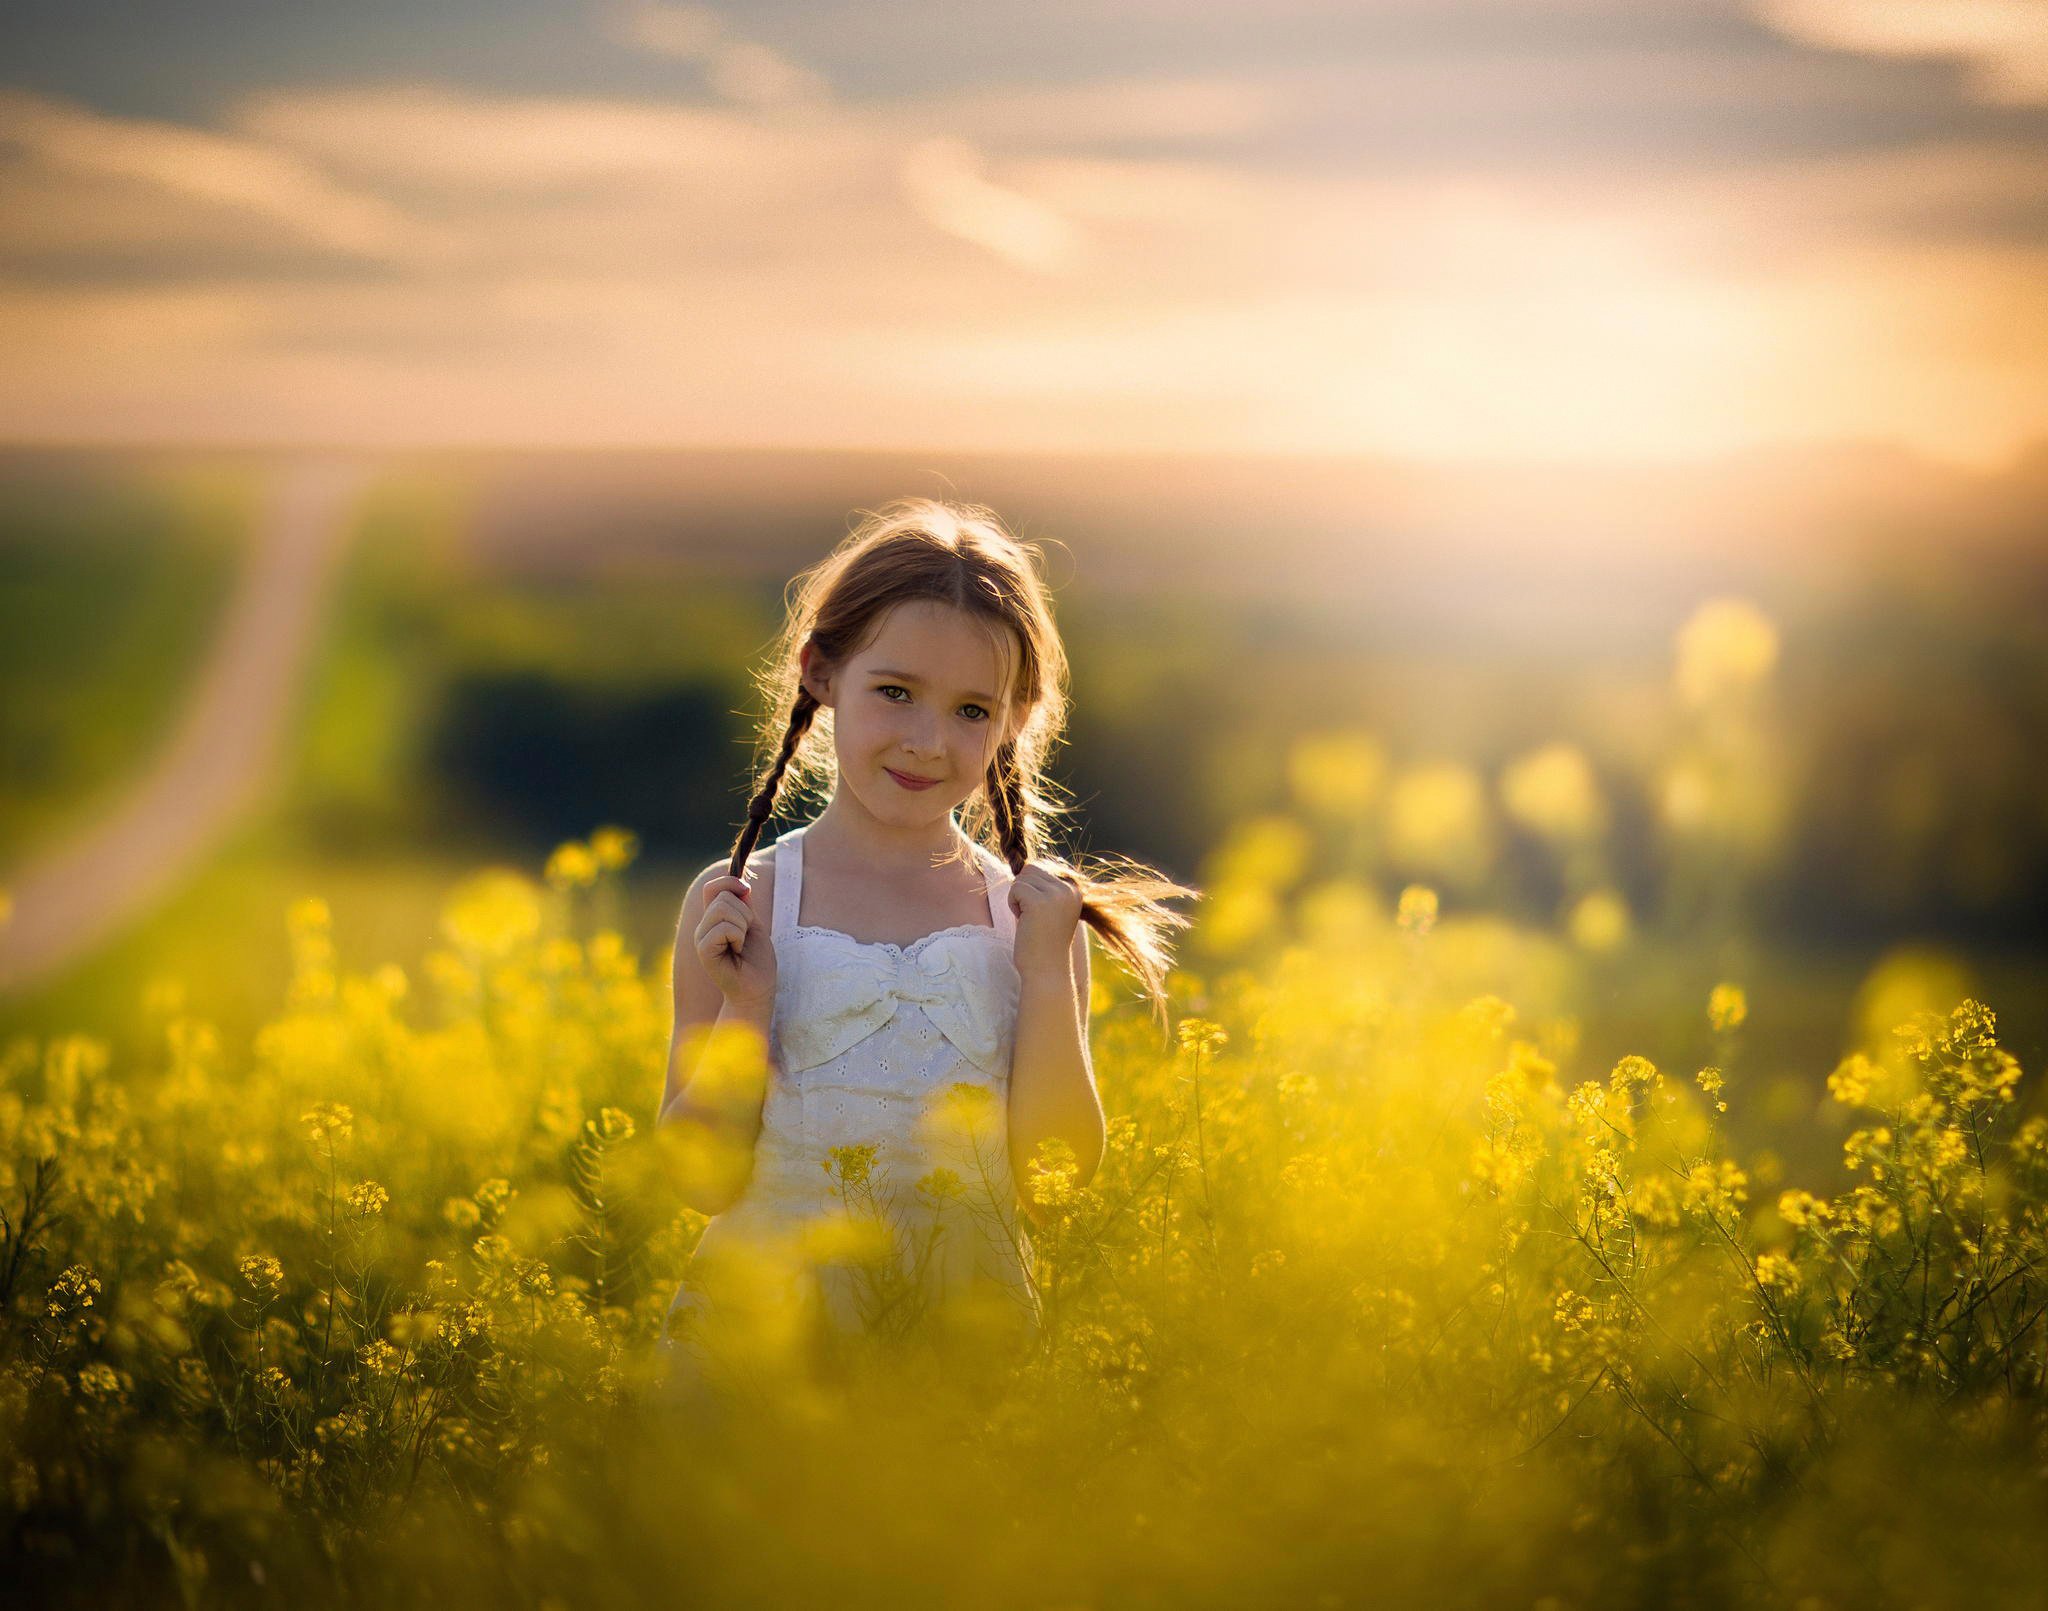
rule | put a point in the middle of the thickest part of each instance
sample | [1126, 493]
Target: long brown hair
[957, 554]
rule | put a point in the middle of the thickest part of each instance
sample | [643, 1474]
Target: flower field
[1382, 1294]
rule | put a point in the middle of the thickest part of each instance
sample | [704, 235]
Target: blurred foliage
[1389, 1288]
[113, 588]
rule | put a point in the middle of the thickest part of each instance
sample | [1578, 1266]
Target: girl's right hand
[734, 946]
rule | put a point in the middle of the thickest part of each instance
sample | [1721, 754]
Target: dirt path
[223, 757]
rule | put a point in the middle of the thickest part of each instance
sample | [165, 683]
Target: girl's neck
[847, 833]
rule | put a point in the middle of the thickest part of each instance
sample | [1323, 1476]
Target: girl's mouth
[910, 782]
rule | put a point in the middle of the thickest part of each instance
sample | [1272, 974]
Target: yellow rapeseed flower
[1727, 647]
[1777, 1271]
[72, 1292]
[1552, 792]
[1416, 913]
[1438, 822]
[492, 913]
[367, 1199]
[1727, 1007]
[1599, 921]
[1336, 774]
[263, 1273]
[572, 866]
[328, 1122]
[613, 848]
[1853, 1080]
[850, 1163]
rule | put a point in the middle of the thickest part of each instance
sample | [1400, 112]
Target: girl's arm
[718, 1073]
[1052, 1077]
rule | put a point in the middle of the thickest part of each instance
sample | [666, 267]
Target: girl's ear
[815, 673]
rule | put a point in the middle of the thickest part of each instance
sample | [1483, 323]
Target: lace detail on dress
[890, 945]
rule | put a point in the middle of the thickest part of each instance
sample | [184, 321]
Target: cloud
[463, 143]
[2005, 42]
[217, 170]
[944, 182]
[737, 70]
[622, 270]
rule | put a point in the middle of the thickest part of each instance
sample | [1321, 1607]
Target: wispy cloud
[2004, 42]
[739, 70]
[218, 170]
[945, 183]
[1640, 248]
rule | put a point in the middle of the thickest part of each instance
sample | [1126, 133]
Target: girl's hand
[1048, 905]
[735, 948]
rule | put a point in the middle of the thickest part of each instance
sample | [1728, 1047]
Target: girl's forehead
[942, 644]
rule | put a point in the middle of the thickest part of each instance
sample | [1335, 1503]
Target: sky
[1548, 231]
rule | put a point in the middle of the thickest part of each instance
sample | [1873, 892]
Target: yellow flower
[263, 1273]
[101, 1382]
[492, 913]
[851, 1163]
[614, 847]
[1727, 1006]
[73, 1291]
[1336, 774]
[367, 1199]
[1776, 1270]
[1438, 822]
[572, 866]
[1416, 913]
[1632, 1070]
[1727, 647]
[1801, 1208]
[1552, 791]
[941, 1185]
[1599, 921]
[1269, 852]
[1053, 1175]
[328, 1122]
[611, 1126]
[1853, 1079]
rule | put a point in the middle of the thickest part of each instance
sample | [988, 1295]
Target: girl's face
[917, 714]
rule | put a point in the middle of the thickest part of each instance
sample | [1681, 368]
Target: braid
[1006, 799]
[762, 806]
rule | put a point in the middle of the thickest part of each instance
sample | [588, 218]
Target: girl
[919, 981]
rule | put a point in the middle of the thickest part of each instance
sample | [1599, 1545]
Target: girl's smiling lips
[908, 781]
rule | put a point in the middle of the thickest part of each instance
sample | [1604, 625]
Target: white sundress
[870, 1042]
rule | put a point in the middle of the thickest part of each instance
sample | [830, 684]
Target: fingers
[727, 921]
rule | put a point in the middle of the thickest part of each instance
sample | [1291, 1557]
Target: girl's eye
[888, 688]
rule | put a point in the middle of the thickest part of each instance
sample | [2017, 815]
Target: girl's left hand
[1048, 905]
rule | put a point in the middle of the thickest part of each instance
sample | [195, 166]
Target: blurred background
[1590, 459]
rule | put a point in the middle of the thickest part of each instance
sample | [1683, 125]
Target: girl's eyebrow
[911, 676]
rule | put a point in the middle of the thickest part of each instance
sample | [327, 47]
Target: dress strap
[996, 876]
[789, 879]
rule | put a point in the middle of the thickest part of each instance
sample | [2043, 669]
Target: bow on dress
[968, 990]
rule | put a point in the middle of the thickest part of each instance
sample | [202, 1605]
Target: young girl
[920, 980]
